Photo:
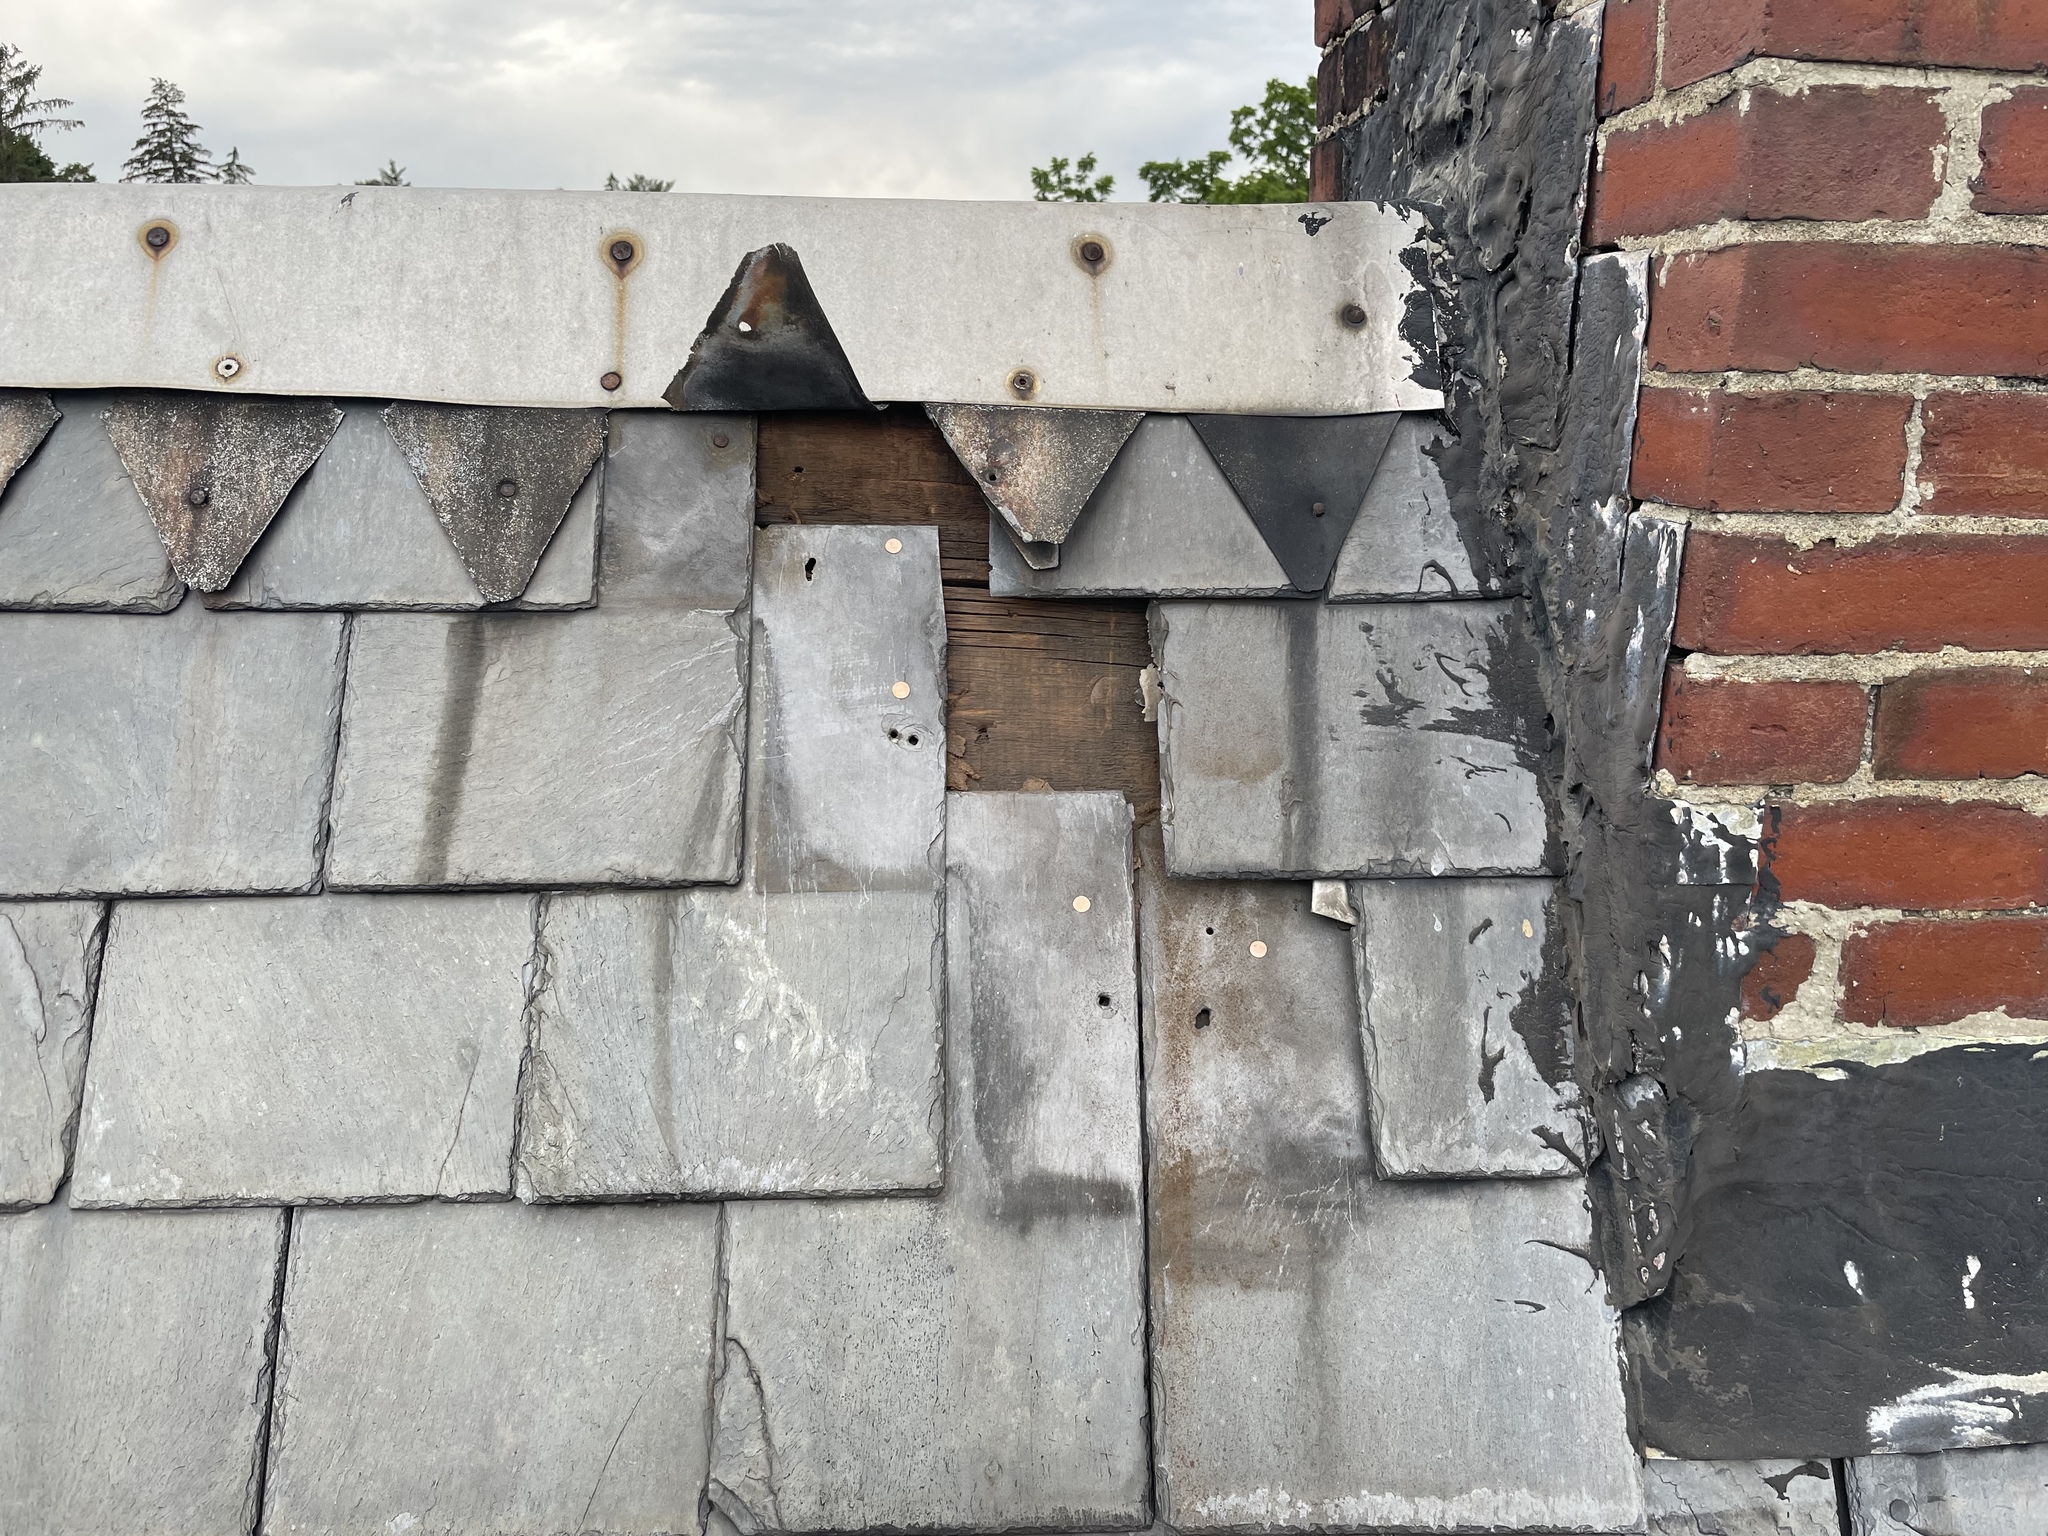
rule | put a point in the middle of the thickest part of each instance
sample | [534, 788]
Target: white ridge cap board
[509, 298]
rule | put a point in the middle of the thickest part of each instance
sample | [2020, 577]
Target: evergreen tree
[235, 171]
[639, 181]
[24, 118]
[1061, 183]
[392, 175]
[1271, 137]
[169, 149]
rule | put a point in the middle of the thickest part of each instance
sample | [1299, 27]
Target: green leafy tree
[1060, 182]
[25, 118]
[169, 150]
[1271, 138]
[392, 175]
[235, 171]
[639, 181]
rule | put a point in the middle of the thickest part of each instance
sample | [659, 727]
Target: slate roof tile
[973, 1361]
[137, 1369]
[319, 1049]
[73, 530]
[1299, 740]
[1407, 542]
[493, 1370]
[188, 753]
[49, 963]
[1468, 1017]
[1332, 1350]
[1740, 1498]
[1997, 1491]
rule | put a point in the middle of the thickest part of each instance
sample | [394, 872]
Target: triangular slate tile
[1035, 466]
[499, 478]
[1302, 479]
[26, 417]
[767, 346]
[213, 470]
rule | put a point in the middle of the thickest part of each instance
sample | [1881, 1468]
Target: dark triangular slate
[1036, 466]
[499, 479]
[26, 417]
[767, 346]
[1283, 467]
[212, 470]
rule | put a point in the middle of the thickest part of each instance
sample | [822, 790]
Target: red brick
[1704, 37]
[1834, 152]
[1776, 977]
[1326, 172]
[1958, 309]
[1332, 17]
[1330, 88]
[1963, 724]
[1792, 452]
[1918, 855]
[1628, 55]
[1363, 61]
[1718, 732]
[1742, 595]
[1917, 974]
[2014, 178]
[1985, 455]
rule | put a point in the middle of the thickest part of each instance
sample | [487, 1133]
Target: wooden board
[1042, 693]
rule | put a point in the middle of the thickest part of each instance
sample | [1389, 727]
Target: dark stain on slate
[1302, 479]
[1543, 1011]
[1301, 789]
[465, 658]
[767, 346]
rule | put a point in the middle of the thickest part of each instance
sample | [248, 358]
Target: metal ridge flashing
[591, 298]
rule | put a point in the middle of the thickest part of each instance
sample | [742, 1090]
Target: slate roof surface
[573, 1067]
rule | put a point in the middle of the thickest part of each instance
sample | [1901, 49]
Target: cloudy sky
[912, 98]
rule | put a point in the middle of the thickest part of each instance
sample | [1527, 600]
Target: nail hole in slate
[912, 740]
[894, 733]
[1210, 931]
[1202, 1019]
[1102, 999]
[810, 565]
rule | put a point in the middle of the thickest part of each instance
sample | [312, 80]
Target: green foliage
[25, 118]
[1272, 138]
[169, 150]
[235, 171]
[392, 175]
[1060, 182]
[639, 181]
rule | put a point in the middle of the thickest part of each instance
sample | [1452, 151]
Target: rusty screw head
[623, 252]
[156, 237]
[198, 496]
[1092, 251]
[1023, 383]
[227, 367]
[507, 489]
[1317, 508]
[611, 381]
[720, 440]
[1352, 315]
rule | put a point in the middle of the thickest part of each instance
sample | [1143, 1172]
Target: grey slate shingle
[1454, 986]
[1740, 1498]
[1993, 1492]
[357, 533]
[1405, 543]
[782, 1036]
[1331, 1350]
[189, 753]
[133, 1395]
[493, 1370]
[73, 530]
[974, 1360]
[49, 960]
[1298, 740]
[305, 1049]
[678, 510]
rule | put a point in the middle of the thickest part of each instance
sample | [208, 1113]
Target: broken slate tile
[135, 1374]
[974, 1360]
[1304, 741]
[1740, 1498]
[539, 749]
[1406, 543]
[2000, 1491]
[26, 417]
[1333, 1351]
[49, 962]
[1164, 522]
[1468, 1015]
[678, 510]
[189, 753]
[307, 1049]
[493, 1370]
[781, 1037]
[73, 530]
[358, 532]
